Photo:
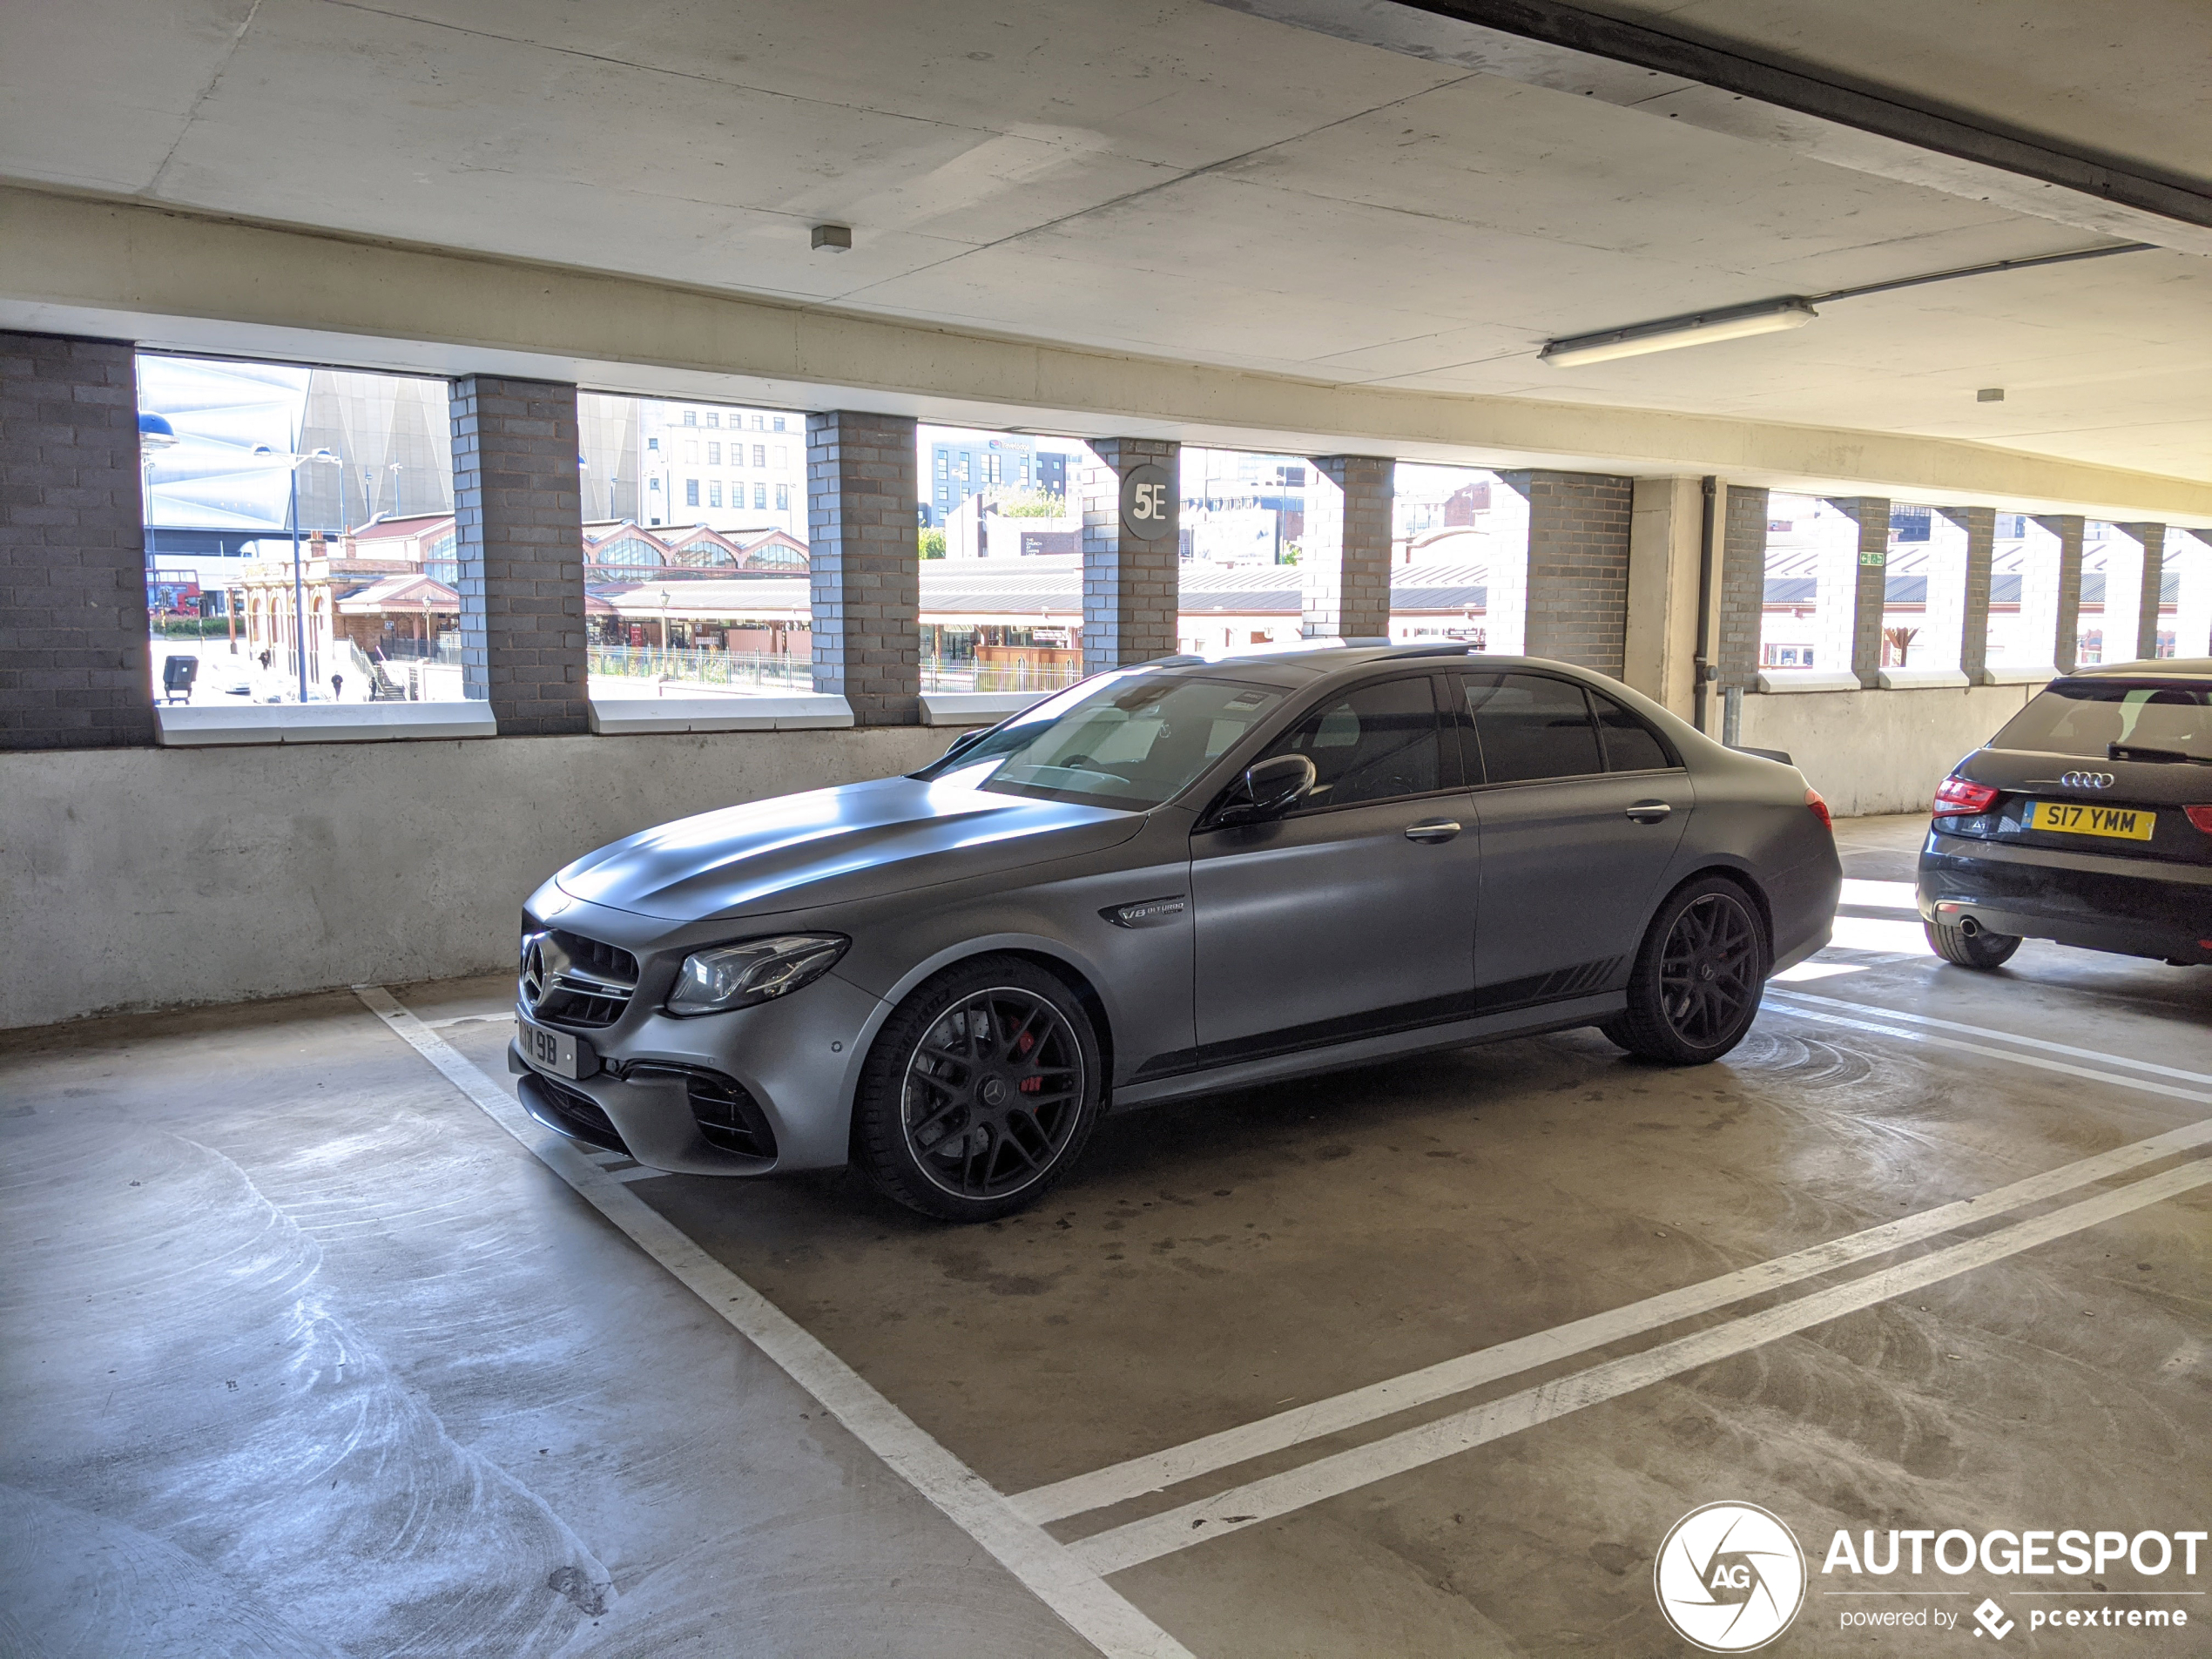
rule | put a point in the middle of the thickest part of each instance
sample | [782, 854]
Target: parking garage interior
[1828, 380]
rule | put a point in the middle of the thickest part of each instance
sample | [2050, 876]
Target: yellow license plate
[2072, 818]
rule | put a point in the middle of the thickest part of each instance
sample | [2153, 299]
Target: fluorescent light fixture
[1729, 322]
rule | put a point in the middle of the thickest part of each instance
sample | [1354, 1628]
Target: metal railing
[736, 670]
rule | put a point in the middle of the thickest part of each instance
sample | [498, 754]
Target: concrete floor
[302, 1354]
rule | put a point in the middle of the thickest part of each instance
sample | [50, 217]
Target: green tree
[1031, 503]
[933, 543]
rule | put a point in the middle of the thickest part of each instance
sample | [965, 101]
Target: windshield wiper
[2138, 751]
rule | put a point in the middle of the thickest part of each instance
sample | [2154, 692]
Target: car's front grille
[724, 1110]
[571, 981]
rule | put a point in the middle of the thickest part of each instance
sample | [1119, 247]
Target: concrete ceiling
[1183, 181]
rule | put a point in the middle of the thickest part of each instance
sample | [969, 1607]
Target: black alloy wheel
[980, 1092]
[1698, 978]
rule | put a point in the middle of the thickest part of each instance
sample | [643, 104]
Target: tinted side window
[1530, 726]
[1378, 744]
[1631, 746]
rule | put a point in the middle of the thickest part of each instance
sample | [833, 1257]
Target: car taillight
[2201, 816]
[1957, 797]
[1819, 809]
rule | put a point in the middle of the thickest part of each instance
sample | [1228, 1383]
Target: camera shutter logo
[1729, 1577]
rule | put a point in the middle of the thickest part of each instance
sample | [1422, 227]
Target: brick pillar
[863, 531]
[2151, 539]
[73, 657]
[1870, 593]
[1742, 598]
[518, 514]
[1578, 567]
[1980, 525]
[1346, 557]
[1132, 558]
[2065, 647]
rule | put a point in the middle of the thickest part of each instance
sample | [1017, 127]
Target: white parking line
[1241, 1506]
[1792, 1003]
[1795, 998]
[1093, 1609]
[1157, 1471]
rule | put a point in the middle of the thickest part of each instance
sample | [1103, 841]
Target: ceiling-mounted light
[1729, 322]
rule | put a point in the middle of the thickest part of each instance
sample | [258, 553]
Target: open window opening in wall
[1811, 574]
[1923, 599]
[1242, 539]
[999, 533]
[1452, 527]
[2023, 596]
[279, 492]
[694, 586]
[2185, 594]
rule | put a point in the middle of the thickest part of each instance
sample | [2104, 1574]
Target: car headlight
[737, 976]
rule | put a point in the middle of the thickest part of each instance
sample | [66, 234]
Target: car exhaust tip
[1969, 926]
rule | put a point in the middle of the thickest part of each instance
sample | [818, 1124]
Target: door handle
[1650, 812]
[1432, 829]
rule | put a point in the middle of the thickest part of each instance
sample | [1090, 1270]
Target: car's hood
[857, 841]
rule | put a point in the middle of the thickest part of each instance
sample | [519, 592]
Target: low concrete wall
[149, 878]
[1878, 751]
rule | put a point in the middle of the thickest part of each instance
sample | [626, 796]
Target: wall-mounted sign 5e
[1147, 502]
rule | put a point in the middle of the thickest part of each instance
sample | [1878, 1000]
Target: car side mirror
[1270, 788]
[966, 741]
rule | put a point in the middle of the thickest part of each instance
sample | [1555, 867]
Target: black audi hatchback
[2086, 820]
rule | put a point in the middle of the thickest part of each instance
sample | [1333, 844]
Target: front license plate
[2074, 818]
[555, 1051]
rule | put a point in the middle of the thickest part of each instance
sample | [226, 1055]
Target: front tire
[980, 1092]
[1980, 949]
[1698, 978]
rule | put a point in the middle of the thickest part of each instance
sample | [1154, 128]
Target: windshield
[2115, 720]
[1129, 739]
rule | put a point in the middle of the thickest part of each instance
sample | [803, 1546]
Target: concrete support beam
[1940, 644]
[1741, 531]
[1666, 545]
[2150, 576]
[2066, 642]
[73, 670]
[1980, 525]
[1869, 592]
[862, 487]
[1345, 565]
[518, 512]
[1577, 595]
[1132, 508]
[168, 277]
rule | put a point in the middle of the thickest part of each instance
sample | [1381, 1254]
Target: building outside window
[760, 494]
[713, 495]
[712, 418]
[714, 455]
[690, 492]
[690, 417]
[783, 498]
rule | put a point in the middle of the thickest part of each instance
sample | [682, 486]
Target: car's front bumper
[2133, 906]
[796, 1059]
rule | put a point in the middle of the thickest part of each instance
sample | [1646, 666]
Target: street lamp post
[292, 464]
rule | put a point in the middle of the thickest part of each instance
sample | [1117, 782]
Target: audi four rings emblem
[2085, 780]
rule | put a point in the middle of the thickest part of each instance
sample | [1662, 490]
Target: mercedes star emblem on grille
[534, 970]
[2085, 780]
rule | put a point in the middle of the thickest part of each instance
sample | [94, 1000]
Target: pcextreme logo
[1729, 1577]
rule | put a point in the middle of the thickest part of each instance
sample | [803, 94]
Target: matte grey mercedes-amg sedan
[1163, 881]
